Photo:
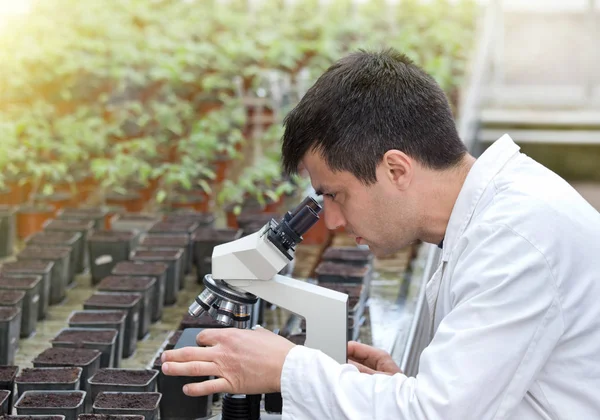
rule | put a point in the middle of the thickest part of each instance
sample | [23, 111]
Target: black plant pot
[7, 382]
[174, 404]
[59, 239]
[156, 270]
[142, 285]
[174, 261]
[348, 255]
[103, 340]
[48, 379]
[177, 227]
[35, 417]
[8, 228]
[31, 285]
[204, 242]
[87, 359]
[252, 222]
[138, 403]
[59, 277]
[330, 272]
[135, 222]
[112, 320]
[34, 268]
[96, 214]
[203, 219]
[109, 417]
[357, 296]
[108, 248]
[129, 302]
[123, 380]
[85, 228]
[176, 241]
[202, 321]
[67, 403]
[4, 402]
[172, 340]
[12, 298]
[10, 328]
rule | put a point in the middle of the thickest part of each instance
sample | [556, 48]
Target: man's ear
[398, 168]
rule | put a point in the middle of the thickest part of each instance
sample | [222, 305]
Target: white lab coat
[515, 307]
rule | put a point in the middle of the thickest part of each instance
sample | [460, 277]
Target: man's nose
[333, 215]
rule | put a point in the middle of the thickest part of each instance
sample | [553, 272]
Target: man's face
[378, 215]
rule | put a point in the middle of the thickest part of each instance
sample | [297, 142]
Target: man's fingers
[212, 386]
[196, 369]
[188, 354]
[362, 368]
[211, 337]
[361, 352]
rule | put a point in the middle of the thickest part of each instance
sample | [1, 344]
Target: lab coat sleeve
[505, 320]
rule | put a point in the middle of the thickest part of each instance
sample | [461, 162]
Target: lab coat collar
[481, 174]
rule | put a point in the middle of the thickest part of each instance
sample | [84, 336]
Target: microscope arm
[325, 310]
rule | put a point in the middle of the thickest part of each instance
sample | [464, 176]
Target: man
[515, 320]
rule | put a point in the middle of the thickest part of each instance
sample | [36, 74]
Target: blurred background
[163, 106]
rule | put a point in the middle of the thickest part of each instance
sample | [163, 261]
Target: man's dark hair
[366, 104]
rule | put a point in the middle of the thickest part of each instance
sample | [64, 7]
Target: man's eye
[330, 195]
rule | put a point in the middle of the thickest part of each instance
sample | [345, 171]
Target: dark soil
[203, 219]
[24, 282]
[125, 283]
[215, 235]
[3, 395]
[111, 236]
[70, 225]
[89, 317]
[43, 375]
[67, 356]
[175, 337]
[142, 400]
[8, 373]
[203, 321]
[156, 255]
[8, 312]
[123, 376]
[44, 253]
[27, 267]
[157, 363]
[90, 336]
[113, 299]
[51, 400]
[177, 240]
[182, 226]
[351, 290]
[54, 237]
[90, 212]
[10, 297]
[329, 268]
[109, 417]
[128, 268]
[347, 253]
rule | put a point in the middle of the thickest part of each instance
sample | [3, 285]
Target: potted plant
[59, 277]
[67, 403]
[136, 403]
[48, 379]
[123, 380]
[129, 302]
[102, 319]
[103, 340]
[33, 268]
[146, 286]
[156, 270]
[31, 285]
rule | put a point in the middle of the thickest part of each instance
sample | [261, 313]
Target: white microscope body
[246, 269]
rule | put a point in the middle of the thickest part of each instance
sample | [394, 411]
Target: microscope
[247, 269]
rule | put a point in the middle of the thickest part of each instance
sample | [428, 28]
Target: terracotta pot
[131, 201]
[59, 200]
[220, 165]
[31, 219]
[231, 220]
[195, 202]
[11, 195]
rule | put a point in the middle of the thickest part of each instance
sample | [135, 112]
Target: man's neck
[444, 188]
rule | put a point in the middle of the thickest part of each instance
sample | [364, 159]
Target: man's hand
[244, 361]
[371, 360]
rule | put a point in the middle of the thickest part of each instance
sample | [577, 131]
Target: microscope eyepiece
[303, 220]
